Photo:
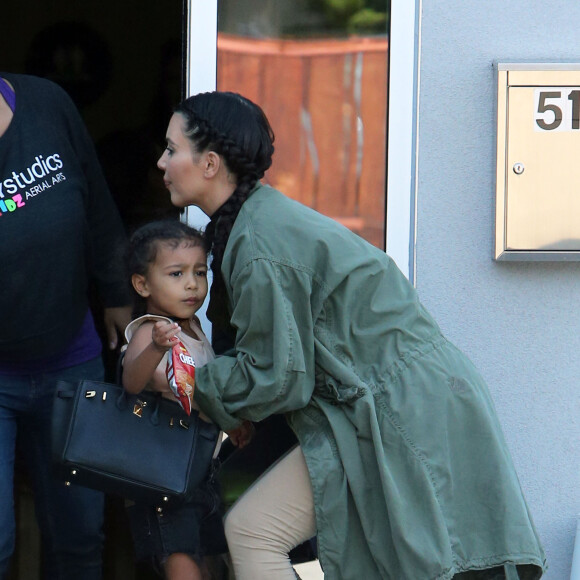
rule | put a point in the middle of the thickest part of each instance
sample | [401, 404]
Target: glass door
[318, 68]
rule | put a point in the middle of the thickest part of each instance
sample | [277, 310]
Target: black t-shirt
[59, 226]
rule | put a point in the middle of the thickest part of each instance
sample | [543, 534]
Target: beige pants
[273, 516]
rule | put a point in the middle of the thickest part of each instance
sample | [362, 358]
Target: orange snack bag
[181, 375]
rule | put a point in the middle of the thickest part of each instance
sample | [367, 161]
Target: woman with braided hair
[401, 470]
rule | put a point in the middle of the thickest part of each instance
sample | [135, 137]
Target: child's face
[175, 285]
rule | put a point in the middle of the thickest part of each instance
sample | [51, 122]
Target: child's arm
[145, 351]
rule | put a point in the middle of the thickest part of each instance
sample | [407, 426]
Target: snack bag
[181, 375]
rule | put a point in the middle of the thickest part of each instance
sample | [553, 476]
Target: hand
[241, 436]
[164, 334]
[116, 320]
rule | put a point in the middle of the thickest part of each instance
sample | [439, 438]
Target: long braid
[217, 234]
[239, 132]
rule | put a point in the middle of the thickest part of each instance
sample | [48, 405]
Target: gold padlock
[138, 407]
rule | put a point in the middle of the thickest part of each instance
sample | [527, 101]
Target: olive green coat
[412, 479]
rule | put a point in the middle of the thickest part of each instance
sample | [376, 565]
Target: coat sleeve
[273, 369]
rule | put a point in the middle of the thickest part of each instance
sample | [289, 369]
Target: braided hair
[236, 129]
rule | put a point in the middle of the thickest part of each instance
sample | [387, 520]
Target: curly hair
[145, 241]
[236, 129]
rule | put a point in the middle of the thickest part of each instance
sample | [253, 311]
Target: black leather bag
[142, 447]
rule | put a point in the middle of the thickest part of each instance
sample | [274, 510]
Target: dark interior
[122, 63]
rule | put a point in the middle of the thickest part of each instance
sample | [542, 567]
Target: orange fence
[326, 101]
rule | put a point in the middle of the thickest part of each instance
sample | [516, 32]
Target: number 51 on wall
[557, 109]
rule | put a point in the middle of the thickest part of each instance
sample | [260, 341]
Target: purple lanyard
[8, 94]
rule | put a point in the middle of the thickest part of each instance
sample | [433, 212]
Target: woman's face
[183, 168]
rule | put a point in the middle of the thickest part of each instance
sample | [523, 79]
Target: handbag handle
[122, 400]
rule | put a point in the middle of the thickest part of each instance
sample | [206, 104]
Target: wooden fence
[326, 101]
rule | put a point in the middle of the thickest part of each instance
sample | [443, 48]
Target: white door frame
[201, 75]
[404, 51]
[404, 46]
[202, 46]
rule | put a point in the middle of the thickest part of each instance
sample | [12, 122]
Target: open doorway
[122, 63]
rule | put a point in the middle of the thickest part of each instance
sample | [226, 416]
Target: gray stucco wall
[518, 322]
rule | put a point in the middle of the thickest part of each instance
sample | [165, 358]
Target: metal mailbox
[538, 162]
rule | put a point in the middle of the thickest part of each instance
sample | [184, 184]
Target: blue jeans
[70, 518]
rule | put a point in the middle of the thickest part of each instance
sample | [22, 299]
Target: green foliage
[367, 21]
[354, 16]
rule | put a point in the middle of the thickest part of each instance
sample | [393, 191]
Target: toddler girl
[167, 262]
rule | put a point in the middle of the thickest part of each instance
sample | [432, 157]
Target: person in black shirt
[60, 233]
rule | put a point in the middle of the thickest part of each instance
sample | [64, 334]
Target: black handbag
[141, 447]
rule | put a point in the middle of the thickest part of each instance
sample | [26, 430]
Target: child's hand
[164, 335]
[241, 436]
